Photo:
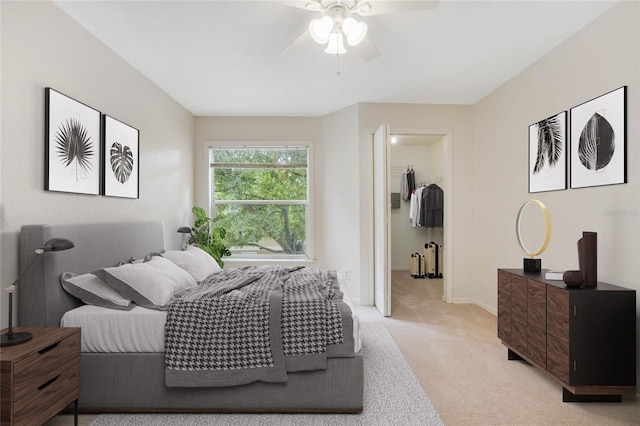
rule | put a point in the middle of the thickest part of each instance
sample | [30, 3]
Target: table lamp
[531, 263]
[10, 338]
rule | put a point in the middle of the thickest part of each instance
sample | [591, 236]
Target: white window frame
[309, 223]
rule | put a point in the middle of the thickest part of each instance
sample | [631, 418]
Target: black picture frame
[548, 154]
[599, 140]
[121, 159]
[72, 145]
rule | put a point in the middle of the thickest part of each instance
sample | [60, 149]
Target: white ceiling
[222, 58]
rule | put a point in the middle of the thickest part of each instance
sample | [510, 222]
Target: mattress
[107, 330]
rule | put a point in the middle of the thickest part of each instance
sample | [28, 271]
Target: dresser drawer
[42, 366]
[41, 403]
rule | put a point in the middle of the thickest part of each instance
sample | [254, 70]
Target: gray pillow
[93, 291]
[154, 284]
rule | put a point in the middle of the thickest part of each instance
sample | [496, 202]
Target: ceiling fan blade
[367, 50]
[303, 40]
[384, 7]
[313, 5]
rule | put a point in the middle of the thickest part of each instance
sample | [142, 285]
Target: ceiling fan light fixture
[320, 29]
[354, 30]
[336, 44]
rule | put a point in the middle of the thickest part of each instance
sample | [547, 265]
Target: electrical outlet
[347, 274]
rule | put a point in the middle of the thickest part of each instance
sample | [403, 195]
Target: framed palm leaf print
[121, 159]
[72, 145]
[599, 141]
[548, 154]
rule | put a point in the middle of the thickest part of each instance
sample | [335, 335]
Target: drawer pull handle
[48, 383]
[48, 348]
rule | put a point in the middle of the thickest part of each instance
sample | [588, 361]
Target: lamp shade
[320, 29]
[55, 244]
[58, 244]
[336, 44]
[354, 31]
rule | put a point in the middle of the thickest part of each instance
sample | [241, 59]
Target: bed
[135, 381]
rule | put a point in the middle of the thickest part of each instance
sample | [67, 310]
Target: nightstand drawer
[40, 377]
[40, 367]
[49, 398]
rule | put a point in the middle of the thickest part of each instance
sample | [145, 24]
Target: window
[260, 195]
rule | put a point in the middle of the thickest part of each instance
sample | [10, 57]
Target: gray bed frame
[134, 382]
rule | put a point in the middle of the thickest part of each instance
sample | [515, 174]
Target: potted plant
[208, 237]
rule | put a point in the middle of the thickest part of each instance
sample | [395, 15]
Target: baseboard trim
[468, 300]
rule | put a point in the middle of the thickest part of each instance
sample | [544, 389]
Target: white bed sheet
[107, 330]
[113, 330]
[357, 340]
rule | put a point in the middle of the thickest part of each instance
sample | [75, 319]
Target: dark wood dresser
[584, 338]
[40, 377]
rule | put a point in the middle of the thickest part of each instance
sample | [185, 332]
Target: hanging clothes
[411, 180]
[432, 207]
[404, 186]
[412, 206]
[415, 207]
[407, 183]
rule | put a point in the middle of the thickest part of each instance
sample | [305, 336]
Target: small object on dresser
[573, 278]
[553, 275]
[588, 258]
[532, 265]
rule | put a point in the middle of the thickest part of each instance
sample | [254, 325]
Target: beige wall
[557, 82]
[602, 57]
[43, 47]
[338, 196]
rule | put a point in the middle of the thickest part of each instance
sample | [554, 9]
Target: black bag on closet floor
[417, 265]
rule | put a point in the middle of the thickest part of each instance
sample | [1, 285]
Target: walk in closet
[417, 166]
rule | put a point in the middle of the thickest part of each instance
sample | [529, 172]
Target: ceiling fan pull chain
[338, 60]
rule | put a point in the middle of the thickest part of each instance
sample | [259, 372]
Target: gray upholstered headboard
[42, 299]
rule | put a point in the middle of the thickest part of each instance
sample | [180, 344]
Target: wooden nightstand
[40, 377]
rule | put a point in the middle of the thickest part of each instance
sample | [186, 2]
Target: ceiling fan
[337, 23]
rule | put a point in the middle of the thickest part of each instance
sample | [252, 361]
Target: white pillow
[153, 284]
[197, 262]
[93, 291]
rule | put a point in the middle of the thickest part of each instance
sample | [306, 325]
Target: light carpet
[392, 396]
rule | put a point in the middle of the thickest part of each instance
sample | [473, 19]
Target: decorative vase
[573, 278]
[588, 258]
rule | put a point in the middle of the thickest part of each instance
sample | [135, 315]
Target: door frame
[381, 225]
[447, 149]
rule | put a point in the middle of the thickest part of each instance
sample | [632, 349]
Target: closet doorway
[428, 153]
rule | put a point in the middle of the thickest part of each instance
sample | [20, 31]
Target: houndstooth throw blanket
[256, 324]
